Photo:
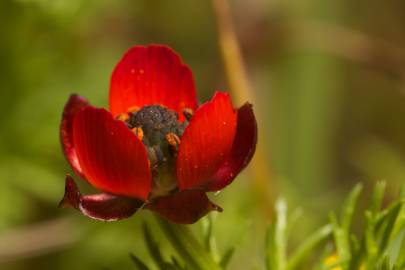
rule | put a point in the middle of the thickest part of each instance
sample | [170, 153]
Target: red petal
[243, 148]
[206, 142]
[74, 104]
[113, 159]
[184, 207]
[151, 75]
[103, 206]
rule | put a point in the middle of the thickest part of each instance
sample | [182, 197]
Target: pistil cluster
[160, 131]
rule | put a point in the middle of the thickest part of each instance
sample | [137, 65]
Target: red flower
[156, 148]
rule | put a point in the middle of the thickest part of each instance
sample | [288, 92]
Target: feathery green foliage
[381, 245]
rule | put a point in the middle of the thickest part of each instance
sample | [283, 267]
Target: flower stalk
[188, 247]
[241, 89]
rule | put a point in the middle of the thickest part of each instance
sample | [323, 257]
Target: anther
[123, 117]
[133, 109]
[173, 139]
[138, 132]
[188, 113]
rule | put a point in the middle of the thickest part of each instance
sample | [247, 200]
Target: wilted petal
[152, 75]
[243, 148]
[184, 207]
[112, 157]
[74, 105]
[206, 143]
[103, 206]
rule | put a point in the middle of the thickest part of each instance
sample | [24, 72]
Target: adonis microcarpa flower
[155, 148]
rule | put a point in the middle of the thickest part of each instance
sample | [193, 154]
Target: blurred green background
[329, 93]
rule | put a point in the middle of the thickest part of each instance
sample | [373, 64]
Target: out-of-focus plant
[336, 246]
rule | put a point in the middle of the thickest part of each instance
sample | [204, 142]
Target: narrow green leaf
[227, 257]
[377, 197]
[401, 256]
[400, 223]
[138, 263]
[358, 252]
[371, 246]
[390, 224]
[368, 244]
[341, 239]
[382, 215]
[176, 262]
[349, 207]
[276, 238]
[281, 241]
[206, 223]
[187, 246]
[153, 247]
[210, 242]
[307, 248]
[169, 266]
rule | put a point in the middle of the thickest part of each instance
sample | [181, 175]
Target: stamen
[173, 139]
[133, 109]
[188, 113]
[123, 117]
[138, 132]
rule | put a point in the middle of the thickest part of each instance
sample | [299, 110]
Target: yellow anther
[173, 139]
[138, 132]
[122, 117]
[188, 113]
[133, 109]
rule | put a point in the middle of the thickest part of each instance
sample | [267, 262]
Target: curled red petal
[184, 207]
[151, 75]
[74, 105]
[243, 149]
[103, 206]
[206, 142]
[112, 158]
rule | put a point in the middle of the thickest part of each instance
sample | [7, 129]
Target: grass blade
[377, 198]
[349, 207]
[138, 263]
[276, 239]
[227, 257]
[401, 256]
[153, 247]
[370, 243]
[210, 242]
[305, 249]
[390, 224]
[341, 239]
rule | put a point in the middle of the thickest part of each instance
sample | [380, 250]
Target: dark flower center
[156, 122]
[160, 130]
